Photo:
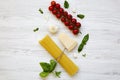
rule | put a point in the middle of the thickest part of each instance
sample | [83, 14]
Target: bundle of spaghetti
[56, 52]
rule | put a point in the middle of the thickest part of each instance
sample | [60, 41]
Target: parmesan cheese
[67, 42]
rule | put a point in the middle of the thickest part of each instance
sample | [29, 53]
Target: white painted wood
[20, 52]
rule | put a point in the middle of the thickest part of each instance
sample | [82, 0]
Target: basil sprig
[66, 4]
[48, 68]
[84, 41]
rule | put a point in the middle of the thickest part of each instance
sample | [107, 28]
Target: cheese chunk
[67, 42]
[55, 51]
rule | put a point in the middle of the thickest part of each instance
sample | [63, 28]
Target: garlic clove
[53, 29]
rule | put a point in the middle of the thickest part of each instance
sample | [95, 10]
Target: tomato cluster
[66, 18]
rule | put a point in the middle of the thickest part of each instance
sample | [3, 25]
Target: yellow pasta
[56, 52]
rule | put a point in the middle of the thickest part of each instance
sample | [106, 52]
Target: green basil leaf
[58, 73]
[81, 16]
[84, 41]
[44, 74]
[45, 66]
[80, 47]
[40, 10]
[36, 29]
[66, 4]
[53, 64]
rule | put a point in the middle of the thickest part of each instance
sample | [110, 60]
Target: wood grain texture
[20, 52]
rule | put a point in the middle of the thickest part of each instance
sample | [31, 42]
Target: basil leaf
[66, 4]
[44, 74]
[45, 66]
[81, 16]
[80, 47]
[53, 64]
[36, 29]
[84, 41]
[40, 10]
[58, 73]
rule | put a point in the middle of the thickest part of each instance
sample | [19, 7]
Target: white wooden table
[20, 52]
